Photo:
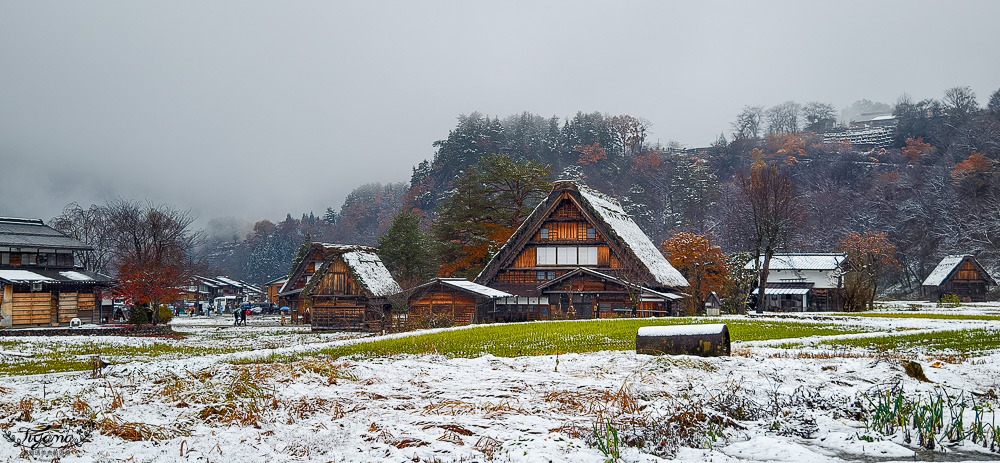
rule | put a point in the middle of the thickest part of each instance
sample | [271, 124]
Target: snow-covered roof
[22, 276]
[803, 261]
[471, 287]
[681, 330]
[620, 224]
[773, 291]
[943, 269]
[371, 272]
[51, 276]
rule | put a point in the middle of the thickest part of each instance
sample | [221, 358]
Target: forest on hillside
[934, 190]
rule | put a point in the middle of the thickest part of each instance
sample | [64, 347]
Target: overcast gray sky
[254, 109]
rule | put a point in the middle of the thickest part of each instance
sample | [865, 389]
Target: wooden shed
[450, 301]
[960, 275]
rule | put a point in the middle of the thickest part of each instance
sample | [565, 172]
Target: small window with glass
[543, 234]
[591, 234]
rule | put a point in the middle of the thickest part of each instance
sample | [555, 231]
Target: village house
[451, 301]
[578, 256]
[41, 284]
[340, 287]
[804, 282]
[272, 288]
[959, 275]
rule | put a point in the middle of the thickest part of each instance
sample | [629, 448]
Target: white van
[224, 304]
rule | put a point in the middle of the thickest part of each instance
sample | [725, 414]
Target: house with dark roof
[451, 301]
[272, 288]
[804, 282]
[961, 275]
[579, 255]
[340, 287]
[41, 283]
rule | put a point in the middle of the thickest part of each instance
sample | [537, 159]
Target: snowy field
[209, 397]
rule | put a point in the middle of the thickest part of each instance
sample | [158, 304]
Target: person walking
[243, 316]
[236, 317]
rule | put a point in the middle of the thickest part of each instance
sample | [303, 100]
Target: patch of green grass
[549, 338]
[963, 342]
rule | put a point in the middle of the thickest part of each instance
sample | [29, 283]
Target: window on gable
[543, 234]
[5, 258]
[591, 233]
[588, 255]
[545, 256]
[566, 255]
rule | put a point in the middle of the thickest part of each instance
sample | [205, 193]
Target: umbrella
[285, 309]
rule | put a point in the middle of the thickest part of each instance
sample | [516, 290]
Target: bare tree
[819, 116]
[960, 102]
[748, 122]
[90, 226]
[152, 247]
[783, 118]
[630, 132]
[771, 212]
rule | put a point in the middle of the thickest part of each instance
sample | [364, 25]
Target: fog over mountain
[256, 109]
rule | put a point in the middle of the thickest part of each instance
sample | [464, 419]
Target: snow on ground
[777, 403]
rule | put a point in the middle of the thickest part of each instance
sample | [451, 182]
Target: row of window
[544, 234]
[36, 259]
[566, 255]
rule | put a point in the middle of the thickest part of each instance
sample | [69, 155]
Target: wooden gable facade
[578, 228]
[340, 287]
[959, 275]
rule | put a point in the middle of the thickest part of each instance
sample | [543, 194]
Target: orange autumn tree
[915, 149]
[870, 256]
[973, 172]
[590, 154]
[702, 264]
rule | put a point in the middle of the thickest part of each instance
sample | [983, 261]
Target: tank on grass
[703, 340]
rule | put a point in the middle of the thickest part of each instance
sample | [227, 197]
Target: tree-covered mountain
[934, 188]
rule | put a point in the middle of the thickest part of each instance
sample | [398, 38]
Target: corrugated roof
[772, 291]
[943, 269]
[33, 233]
[476, 288]
[803, 261]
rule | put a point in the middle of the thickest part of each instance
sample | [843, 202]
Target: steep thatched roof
[607, 215]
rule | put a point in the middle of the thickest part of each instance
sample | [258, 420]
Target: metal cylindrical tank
[704, 340]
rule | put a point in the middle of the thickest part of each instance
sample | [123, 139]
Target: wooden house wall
[48, 308]
[337, 301]
[455, 305]
[339, 314]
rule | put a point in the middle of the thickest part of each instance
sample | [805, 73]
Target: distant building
[579, 255]
[41, 284]
[272, 288]
[340, 287]
[803, 282]
[960, 275]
